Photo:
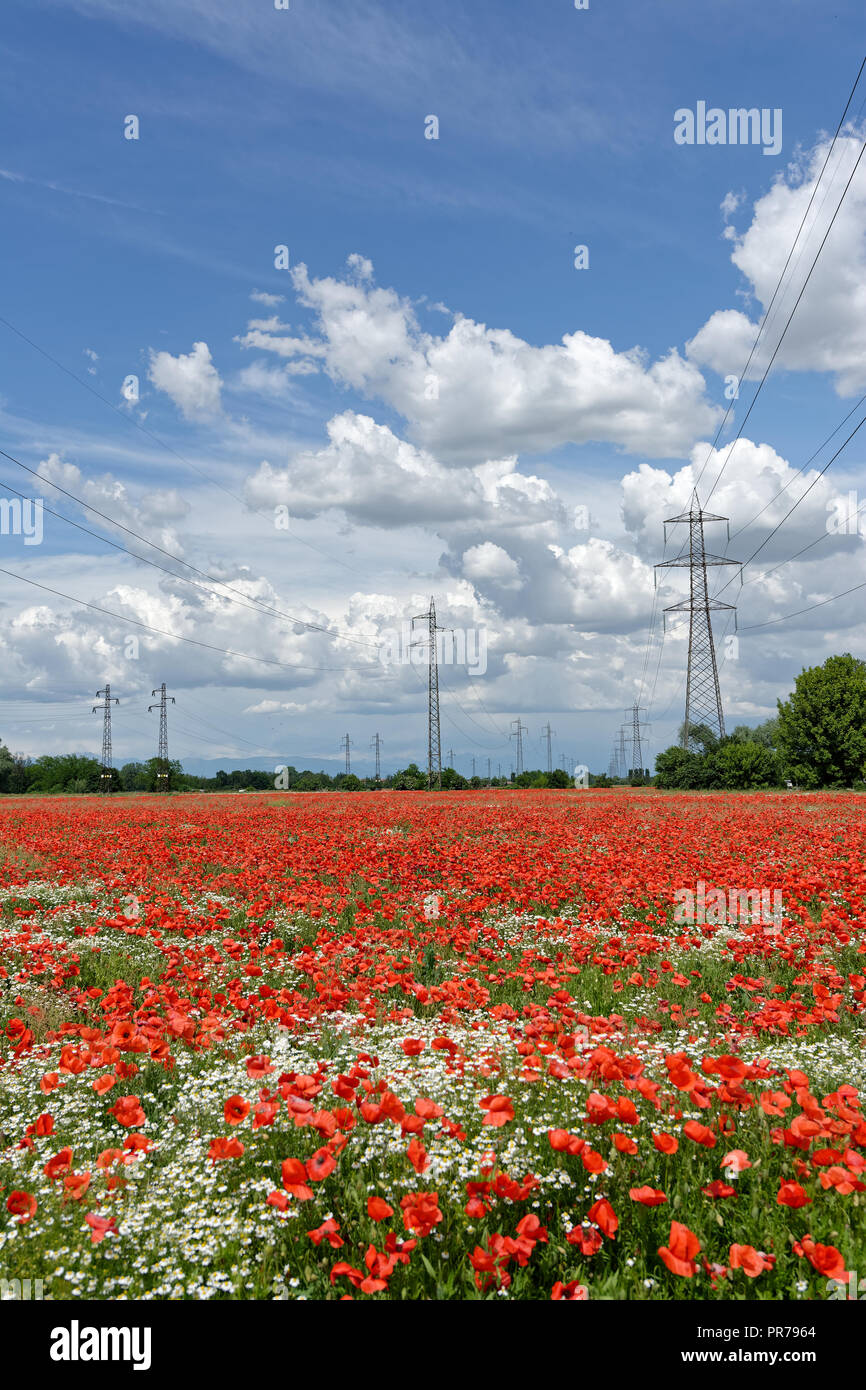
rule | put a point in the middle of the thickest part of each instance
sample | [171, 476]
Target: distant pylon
[376, 742]
[105, 775]
[346, 744]
[451, 758]
[703, 696]
[621, 756]
[473, 765]
[548, 733]
[518, 733]
[434, 748]
[162, 775]
[636, 739]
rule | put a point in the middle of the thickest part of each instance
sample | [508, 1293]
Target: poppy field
[389, 1046]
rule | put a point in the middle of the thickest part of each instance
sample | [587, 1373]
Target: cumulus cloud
[828, 331]
[478, 392]
[489, 562]
[151, 513]
[191, 380]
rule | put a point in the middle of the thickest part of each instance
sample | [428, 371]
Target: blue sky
[306, 128]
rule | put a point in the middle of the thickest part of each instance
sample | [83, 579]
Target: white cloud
[828, 331]
[480, 392]
[191, 380]
[489, 562]
[270, 301]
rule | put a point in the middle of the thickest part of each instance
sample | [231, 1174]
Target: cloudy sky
[279, 456]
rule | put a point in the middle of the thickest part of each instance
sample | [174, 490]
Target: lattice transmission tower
[346, 744]
[376, 744]
[548, 733]
[162, 771]
[105, 775]
[434, 746]
[703, 696]
[519, 730]
[637, 739]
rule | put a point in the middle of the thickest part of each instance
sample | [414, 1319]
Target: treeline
[817, 740]
[75, 774]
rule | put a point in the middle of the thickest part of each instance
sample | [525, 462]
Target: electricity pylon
[162, 774]
[106, 697]
[621, 755]
[376, 743]
[518, 733]
[636, 739]
[703, 696]
[434, 747]
[346, 744]
[548, 733]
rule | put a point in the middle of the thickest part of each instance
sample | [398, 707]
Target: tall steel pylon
[703, 696]
[162, 775]
[548, 734]
[106, 697]
[434, 746]
[376, 743]
[518, 733]
[637, 754]
[346, 744]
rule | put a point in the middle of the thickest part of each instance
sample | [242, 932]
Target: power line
[162, 632]
[266, 608]
[130, 420]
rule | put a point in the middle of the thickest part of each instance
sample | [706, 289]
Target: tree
[701, 738]
[559, 779]
[156, 768]
[766, 734]
[411, 779]
[742, 764]
[681, 768]
[822, 725]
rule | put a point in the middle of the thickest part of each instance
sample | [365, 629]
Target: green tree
[679, 767]
[822, 725]
[742, 765]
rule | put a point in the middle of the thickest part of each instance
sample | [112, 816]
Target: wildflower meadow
[383, 1047]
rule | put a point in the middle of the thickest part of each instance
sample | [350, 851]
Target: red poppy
[647, 1196]
[603, 1214]
[60, 1164]
[329, 1231]
[679, 1253]
[235, 1110]
[573, 1292]
[749, 1260]
[22, 1205]
[791, 1194]
[421, 1211]
[666, 1143]
[500, 1110]
[294, 1176]
[320, 1165]
[378, 1209]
